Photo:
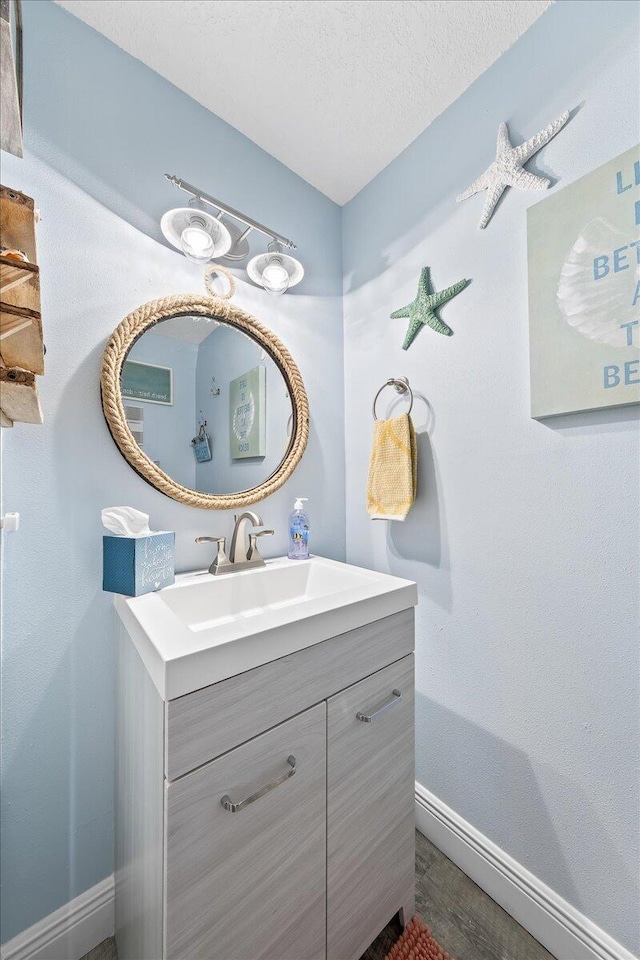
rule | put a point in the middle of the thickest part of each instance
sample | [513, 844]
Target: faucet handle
[220, 560]
[253, 552]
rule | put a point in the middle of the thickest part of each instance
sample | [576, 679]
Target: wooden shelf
[19, 397]
[21, 338]
[14, 272]
[21, 346]
[22, 323]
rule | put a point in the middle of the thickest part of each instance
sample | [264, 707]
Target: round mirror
[204, 402]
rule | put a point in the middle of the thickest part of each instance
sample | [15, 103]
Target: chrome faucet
[238, 540]
[240, 557]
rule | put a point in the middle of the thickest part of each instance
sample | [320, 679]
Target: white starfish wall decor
[507, 170]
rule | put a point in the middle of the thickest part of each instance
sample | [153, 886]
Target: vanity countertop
[204, 629]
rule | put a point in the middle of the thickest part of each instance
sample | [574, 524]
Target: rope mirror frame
[115, 353]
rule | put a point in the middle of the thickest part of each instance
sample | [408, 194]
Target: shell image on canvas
[587, 298]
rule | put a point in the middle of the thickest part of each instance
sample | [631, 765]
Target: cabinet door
[251, 884]
[370, 808]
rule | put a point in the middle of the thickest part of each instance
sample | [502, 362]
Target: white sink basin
[204, 629]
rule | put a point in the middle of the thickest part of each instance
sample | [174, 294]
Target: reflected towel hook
[401, 385]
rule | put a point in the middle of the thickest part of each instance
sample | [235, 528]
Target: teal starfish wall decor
[421, 311]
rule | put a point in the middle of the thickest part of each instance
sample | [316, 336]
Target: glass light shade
[197, 244]
[275, 279]
[274, 270]
[198, 235]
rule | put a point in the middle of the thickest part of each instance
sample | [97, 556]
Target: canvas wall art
[247, 434]
[584, 292]
[147, 382]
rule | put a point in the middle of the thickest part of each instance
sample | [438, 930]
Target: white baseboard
[558, 926]
[83, 923]
[71, 931]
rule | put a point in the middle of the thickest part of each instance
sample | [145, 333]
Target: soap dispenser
[299, 531]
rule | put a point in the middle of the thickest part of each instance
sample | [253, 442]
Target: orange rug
[416, 943]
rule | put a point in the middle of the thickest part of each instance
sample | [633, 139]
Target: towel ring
[401, 385]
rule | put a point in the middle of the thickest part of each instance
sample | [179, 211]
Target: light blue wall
[169, 428]
[524, 540]
[227, 354]
[100, 132]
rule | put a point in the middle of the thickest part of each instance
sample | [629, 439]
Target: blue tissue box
[137, 565]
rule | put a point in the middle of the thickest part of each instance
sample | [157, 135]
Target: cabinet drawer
[251, 884]
[370, 808]
[205, 724]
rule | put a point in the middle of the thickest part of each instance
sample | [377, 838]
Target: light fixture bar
[229, 211]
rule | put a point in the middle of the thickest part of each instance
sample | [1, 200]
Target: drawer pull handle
[395, 697]
[228, 803]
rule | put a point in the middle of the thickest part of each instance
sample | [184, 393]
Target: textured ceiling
[335, 89]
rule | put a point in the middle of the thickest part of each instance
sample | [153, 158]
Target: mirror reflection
[207, 404]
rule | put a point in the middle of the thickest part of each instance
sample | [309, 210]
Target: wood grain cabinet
[251, 883]
[295, 841]
[370, 808]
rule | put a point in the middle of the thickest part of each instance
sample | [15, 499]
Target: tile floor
[464, 920]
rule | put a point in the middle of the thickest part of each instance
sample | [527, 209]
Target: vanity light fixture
[202, 237]
[199, 235]
[274, 270]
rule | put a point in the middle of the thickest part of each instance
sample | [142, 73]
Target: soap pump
[299, 531]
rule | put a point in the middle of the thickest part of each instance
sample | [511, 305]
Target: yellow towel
[391, 487]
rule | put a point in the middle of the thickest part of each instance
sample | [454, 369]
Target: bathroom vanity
[265, 764]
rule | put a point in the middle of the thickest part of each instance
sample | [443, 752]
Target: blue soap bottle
[299, 531]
